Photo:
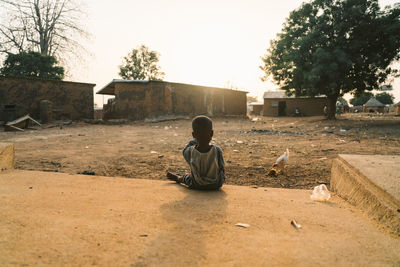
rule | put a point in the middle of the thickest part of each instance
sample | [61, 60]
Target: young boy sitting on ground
[206, 161]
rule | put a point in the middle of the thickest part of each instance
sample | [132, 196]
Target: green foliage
[385, 98]
[342, 102]
[32, 64]
[141, 64]
[361, 99]
[332, 47]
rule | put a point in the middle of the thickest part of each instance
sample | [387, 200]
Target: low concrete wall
[6, 156]
[307, 106]
[352, 185]
[69, 99]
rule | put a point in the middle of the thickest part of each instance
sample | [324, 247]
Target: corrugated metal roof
[372, 102]
[274, 94]
[110, 87]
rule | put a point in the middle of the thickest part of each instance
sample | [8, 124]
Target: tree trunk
[332, 107]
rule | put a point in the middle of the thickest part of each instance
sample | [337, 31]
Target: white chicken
[279, 165]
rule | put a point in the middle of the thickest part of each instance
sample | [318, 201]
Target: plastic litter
[320, 193]
[244, 225]
[295, 224]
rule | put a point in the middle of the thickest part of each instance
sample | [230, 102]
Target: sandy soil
[57, 219]
[148, 150]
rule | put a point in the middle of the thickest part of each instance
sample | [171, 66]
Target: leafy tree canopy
[141, 64]
[341, 101]
[332, 47]
[32, 64]
[361, 99]
[385, 98]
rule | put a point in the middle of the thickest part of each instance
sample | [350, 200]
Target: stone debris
[20, 124]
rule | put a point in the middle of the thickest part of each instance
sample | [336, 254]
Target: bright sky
[209, 42]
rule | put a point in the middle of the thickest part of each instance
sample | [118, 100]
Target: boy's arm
[186, 150]
[221, 162]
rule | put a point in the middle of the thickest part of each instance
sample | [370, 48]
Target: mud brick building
[397, 108]
[277, 104]
[256, 108]
[137, 100]
[21, 96]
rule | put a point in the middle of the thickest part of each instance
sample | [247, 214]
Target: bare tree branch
[50, 27]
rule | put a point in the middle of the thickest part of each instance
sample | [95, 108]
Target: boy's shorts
[189, 180]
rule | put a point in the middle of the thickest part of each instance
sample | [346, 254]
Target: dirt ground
[148, 150]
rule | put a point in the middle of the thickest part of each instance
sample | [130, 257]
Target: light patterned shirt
[206, 168]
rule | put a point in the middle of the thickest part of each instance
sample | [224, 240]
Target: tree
[341, 101]
[32, 64]
[141, 64]
[332, 47]
[49, 27]
[361, 99]
[251, 99]
[385, 98]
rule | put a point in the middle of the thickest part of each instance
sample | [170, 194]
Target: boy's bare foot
[173, 177]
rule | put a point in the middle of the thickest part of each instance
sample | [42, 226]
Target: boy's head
[202, 129]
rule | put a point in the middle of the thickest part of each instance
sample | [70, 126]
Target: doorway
[282, 108]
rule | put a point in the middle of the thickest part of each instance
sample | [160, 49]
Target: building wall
[307, 106]
[257, 109]
[397, 110]
[137, 101]
[130, 101]
[235, 102]
[374, 109]
[73, 100]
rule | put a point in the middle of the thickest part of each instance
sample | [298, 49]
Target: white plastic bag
[320, 193]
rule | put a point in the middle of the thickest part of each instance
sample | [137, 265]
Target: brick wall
[70, 99]
[154, 99]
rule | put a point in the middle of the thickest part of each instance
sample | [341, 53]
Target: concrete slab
[381, 170]
[59, 219]
[372, 183]
[6, 156]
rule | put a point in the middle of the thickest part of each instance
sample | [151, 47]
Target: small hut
[276, 103]
[256, 108]
[373, 105]
[397, 108]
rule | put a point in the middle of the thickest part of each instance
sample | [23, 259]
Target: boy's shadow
[189, 222]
